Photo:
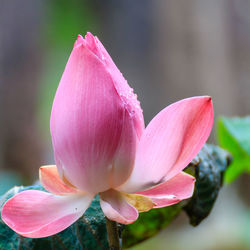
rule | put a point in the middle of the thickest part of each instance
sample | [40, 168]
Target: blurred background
[166, 49]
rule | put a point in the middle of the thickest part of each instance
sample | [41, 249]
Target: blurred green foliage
[149, 224]
[234, 135]
[65, 20]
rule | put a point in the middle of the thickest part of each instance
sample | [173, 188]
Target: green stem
[113, 235]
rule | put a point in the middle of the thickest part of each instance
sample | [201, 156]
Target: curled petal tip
[79, 37]
[79, 41]
[91, 43]
[206, 98]
[89, 34]
[88, 40]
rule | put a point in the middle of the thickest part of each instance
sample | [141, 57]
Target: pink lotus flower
[101, 147]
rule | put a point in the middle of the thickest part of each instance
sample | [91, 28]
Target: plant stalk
[113, 235]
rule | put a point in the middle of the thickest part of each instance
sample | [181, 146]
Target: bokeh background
[166, 49]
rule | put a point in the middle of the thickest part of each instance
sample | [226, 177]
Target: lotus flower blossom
[102, 147]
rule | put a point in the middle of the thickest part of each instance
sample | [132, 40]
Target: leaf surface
[234, 135]
[209, 166]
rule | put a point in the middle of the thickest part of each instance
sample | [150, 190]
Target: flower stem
[113, 235]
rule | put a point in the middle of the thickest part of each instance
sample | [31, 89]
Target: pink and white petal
[178, 188]
[123, 89]
[124, 157]
[52, 182]
[86, 123]
[116, 208]
[170, 141]
[37, 214]
[79, 41]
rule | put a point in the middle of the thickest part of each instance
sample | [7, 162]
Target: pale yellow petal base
[140, 202]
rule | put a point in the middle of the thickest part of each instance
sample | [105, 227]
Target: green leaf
[89, 232]
[148, 225]
[209, 166]
[234, 135]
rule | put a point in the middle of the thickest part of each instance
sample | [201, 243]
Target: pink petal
[171, 140]
[123, 89]
[93, 131]
[51, 181]
[121, 85]
[37, 214]
[79, 41]
[178, 188]
[116, 208]
[123, 160]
